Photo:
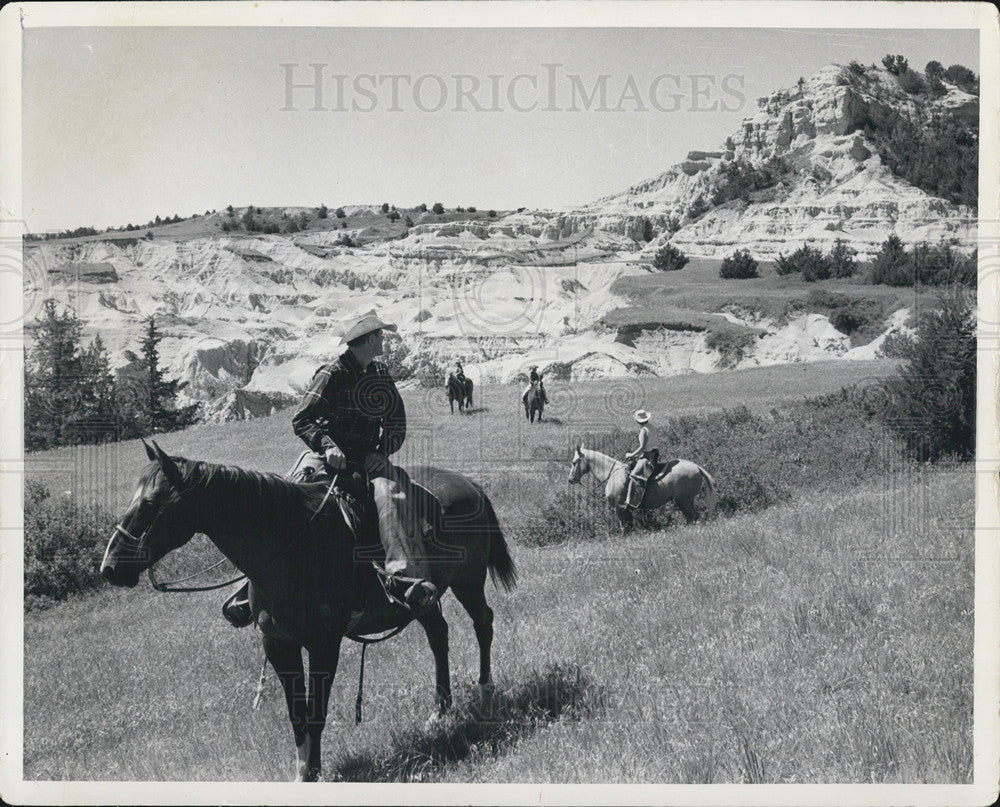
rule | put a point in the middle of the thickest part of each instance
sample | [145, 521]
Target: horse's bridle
[614, 464]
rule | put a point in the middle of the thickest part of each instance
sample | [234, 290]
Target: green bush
[731, 344]
[438, 208]
[669, 258]
[912, 82]
[739, 265]
[566, 517]
[896, 65]
[930, 265]
[807, 260]
[63, 545]
[933, 400]
[842, 259]
[890, 266]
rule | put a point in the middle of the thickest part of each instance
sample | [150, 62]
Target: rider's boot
[420, 595]
[636, 492]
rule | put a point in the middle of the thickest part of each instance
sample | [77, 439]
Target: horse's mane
[250, 492]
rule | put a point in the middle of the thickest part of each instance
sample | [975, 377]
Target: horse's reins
[614, 464]
[168, 586]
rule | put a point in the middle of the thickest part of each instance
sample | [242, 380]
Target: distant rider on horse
[533, 376]
[645, 458]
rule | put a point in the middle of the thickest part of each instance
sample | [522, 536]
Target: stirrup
[236, 609]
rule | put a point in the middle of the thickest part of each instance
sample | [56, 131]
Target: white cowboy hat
[358, 325]
[641, 416]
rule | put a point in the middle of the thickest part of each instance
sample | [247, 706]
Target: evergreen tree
[52, 378]
[155, 401]
[934, 397]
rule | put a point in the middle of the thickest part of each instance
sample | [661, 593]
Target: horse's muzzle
[111, 573]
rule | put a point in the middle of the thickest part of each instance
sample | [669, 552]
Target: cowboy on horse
[352, 418]
[534, 377]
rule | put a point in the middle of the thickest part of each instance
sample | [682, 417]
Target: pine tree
[52, 379]
[934, 396]
[99, 404]
[156, 394]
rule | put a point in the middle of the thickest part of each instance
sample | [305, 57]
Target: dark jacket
[358, 410]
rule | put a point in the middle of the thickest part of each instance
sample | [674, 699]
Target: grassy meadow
[825, 636]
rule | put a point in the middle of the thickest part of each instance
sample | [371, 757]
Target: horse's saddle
[351, 493]
[662, 469]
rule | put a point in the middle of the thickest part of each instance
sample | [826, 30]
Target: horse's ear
[170, 469]
[579, 447]
[149, 451]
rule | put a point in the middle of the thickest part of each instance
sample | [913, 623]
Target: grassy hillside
[484, 444]
[827, 640]
[688, 298]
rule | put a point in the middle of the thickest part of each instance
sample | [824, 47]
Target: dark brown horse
[534, 402]
[459, 389]
[299, 558]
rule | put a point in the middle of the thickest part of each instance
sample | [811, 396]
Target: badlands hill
[249, 299]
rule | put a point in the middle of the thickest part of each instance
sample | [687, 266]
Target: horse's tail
[711, 498]
[500, 563]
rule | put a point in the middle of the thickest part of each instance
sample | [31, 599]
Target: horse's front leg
[286, 659]
[437, 635]
[323, 660]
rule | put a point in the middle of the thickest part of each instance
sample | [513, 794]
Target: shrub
[842, 259]
[63, 543]
[438, 208]
[322, 212]
[647, 231]
[471, 209]
[385, 207]
[345, 241]
[807, 260]
[731, 344]
[566, 517]
[857, 68]
[934, 70]
[271, 227]
[292, 226]
[895, 64]
[911, 82]
[891, 266]
[393, 215]
[492, 214]
[847, 321]
[422, 207]
[408, 222]
[339, 213]
[962, 77]
[669, 258]
[933, 400]
[740, 265]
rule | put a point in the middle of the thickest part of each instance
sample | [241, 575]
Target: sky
[123, 124]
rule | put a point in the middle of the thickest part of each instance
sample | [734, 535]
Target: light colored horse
[679, 485]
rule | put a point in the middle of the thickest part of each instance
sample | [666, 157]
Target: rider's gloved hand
[335, 458]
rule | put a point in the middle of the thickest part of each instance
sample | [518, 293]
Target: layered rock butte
[248, 318]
